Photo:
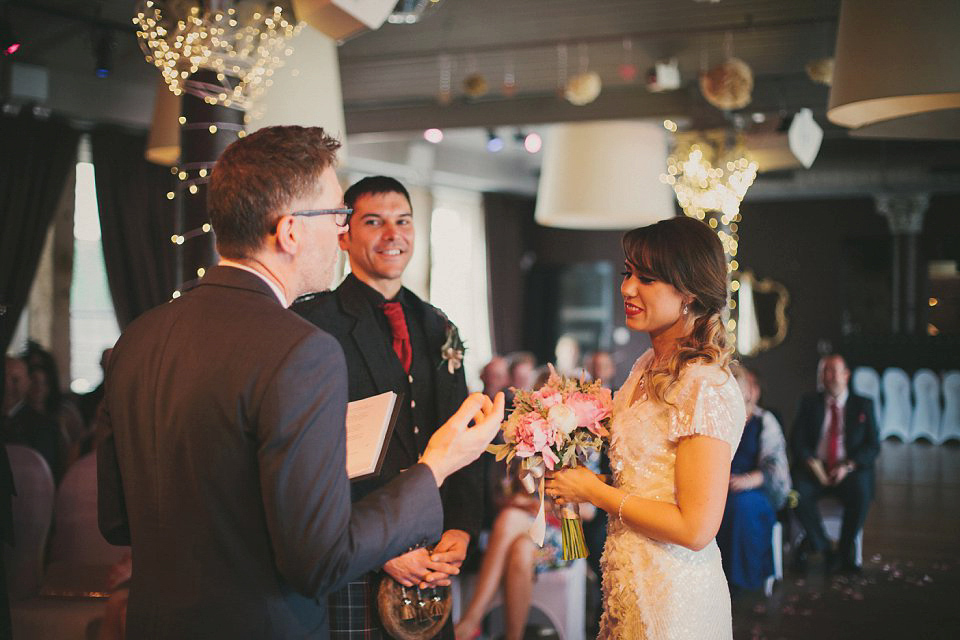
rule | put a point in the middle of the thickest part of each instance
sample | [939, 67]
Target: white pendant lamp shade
[895, 59]
[305, 90]
[163, 143]
[341, 19]
[604, 175]
[932, 125]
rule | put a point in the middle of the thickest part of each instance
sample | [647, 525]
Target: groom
[223, 456]
[393, 341]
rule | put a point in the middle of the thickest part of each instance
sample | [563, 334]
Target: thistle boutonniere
[453, 349]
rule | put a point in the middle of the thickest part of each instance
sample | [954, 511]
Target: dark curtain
[510, 257]
[136, 222]
[36, 157]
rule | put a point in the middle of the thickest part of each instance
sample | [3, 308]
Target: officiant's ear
[286, 234]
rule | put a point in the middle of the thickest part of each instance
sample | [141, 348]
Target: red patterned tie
[833, 436]
[401, 336]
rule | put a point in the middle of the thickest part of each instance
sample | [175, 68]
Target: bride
[677, 421]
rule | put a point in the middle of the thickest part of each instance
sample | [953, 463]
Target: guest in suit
[223, 455]
[394, 341]
[834, 444]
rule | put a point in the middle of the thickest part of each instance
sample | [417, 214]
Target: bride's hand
[572, 485]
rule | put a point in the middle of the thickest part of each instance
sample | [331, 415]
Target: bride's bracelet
[620, 508]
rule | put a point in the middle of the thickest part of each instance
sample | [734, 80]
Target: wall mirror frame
[759, 308]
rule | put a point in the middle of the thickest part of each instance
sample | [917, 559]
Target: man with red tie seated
[834, 444]
[394, 341]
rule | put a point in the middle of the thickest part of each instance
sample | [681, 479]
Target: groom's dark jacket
[431, 393]
[223, 466]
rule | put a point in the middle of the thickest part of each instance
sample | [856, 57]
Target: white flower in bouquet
[562, 418]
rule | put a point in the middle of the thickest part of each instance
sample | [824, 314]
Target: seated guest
[23, 425]
[495, 376]
[599, 365]
[513, 560]
[759, 484]
[87, 403]
[834, 444]
[46, 398]
[522, 370]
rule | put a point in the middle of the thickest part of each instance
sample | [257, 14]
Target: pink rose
[547, 397]
[549, 458]
[531, 435]
[591, 409]
[535, 435]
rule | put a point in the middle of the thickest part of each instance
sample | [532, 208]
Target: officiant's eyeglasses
[342, 216]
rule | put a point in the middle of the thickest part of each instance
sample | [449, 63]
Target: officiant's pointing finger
[454, 445]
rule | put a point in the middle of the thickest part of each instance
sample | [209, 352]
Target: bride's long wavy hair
[687, 254]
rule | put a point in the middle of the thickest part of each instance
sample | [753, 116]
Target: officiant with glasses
[394, 341]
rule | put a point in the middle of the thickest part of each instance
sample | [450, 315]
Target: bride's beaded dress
[657, 590]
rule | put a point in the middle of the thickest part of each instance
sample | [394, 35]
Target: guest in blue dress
[759, 484]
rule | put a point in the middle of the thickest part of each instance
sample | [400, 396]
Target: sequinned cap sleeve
[707, 402]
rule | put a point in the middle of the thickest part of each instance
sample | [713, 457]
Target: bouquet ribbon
[538, 530]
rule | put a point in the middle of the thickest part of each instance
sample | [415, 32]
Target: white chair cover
[950, 420]
[925, 419]
[776, 542]
[76, 535]
[866, 382]
[559, 594]
[32, 513]
[896, 404]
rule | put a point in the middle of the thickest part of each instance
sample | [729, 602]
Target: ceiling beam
[777, 94]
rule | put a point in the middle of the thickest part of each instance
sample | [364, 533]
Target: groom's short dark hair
[260, 174]
[374, 185]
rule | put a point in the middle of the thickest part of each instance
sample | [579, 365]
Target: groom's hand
[452, 547]
[416, 568]
[454, 445]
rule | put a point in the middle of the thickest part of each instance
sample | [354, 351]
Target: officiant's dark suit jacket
[350, 315]
[223, 465]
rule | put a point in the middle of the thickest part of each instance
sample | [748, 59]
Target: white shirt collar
[841, 400]
[273, 286]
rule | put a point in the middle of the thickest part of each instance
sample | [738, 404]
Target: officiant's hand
[415, 568]
[572, 485]
[454, 445]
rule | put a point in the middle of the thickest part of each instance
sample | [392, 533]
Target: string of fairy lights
[223, 53]
[243, 43]
[710, 174]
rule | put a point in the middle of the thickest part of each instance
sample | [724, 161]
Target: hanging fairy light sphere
[242, 41]
[710, 177]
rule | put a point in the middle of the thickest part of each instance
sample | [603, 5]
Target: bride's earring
[686, 309]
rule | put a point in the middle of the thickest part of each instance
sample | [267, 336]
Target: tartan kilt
[353, 612]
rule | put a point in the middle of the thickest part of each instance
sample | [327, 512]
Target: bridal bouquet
[559, 425]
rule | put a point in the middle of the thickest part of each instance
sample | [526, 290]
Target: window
[458, 273]
[93, 322]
